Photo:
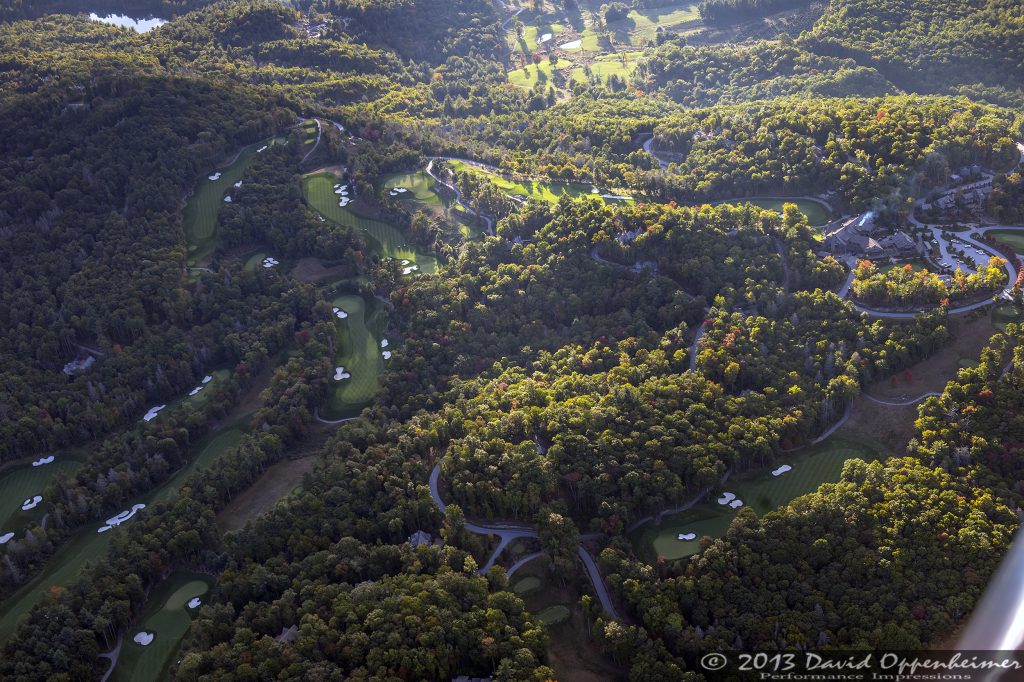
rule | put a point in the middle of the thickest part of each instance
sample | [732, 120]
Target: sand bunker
[261, 149]
[44, 460]
[410, 269]
[545, 38]
[383, 343]
[340, 313]
[144, 638]
[406, 261]
[238, 184]
[270, 262]
[616, 196]
[227, 200]
[594, 190]
[344, 202]
[401, 190]
[782, 469]
[571, 45]
[195, 390]
[208, 378]
[736, 504]
[194, 602]
[726, 498]
[340, 373]
[386, 354]
[151, 415]
[5, 538]
[31, 503]
[121, 518]
[215, 176]
[686, 536]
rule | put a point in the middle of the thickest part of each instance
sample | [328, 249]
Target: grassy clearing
[553, 615]
[1014, 238]
[550, 192]
[527, 585]
[542, 72]
[88, 546]
[532, 34]
[817, 213]
[277, 482]
[621, 65]
[761, 491]
[168, 617]
[385, 239]
[419, 184]
[359, 353]
[24, 481]
[642, 24]
[200, 217]
[1005, 313]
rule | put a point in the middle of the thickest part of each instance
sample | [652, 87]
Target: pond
[124, 21]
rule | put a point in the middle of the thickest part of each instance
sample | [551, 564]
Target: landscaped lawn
[642, 24]
[553, 615]
[542, 191]
[761, 491]
[168, 617]
[1014, 238]
[359, 352]
[387, 240]
[917, 263]
[419, 184]
[531, 74]
[609, 65]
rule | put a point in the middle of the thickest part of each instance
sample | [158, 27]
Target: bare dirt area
[312, 270]
[889, 426]
[275, 483]
[970, 334]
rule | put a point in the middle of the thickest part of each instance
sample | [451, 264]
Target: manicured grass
[541, 191]
[1014, 238]
[642, 24]
[25, 481]
[608, 65]
[917, 263]
[553, 615]
[527, 585]
[387, 240]
[89, 546]
[761, 491]
[1005, 313]
[419, 184]
[359, 352]
[168, 617]
[816, 212]
[532, 34]
[200, 217]
[531, 74]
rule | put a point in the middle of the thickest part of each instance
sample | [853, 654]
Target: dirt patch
[888, 426]
[573, 654]
[312, 270]
[250, 400]
[275, 483]
[970, 332]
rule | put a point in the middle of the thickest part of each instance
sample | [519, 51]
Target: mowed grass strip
[548, 191]
[419, 184]
[1014, 238]
[22, 482]
[762, 492]
[387, 240]
[168, 617]
[202, 208]
[359, 352]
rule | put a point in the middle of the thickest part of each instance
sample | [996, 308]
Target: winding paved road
[649, 148]
[112, 655]
[455, 190]
[316, 415]
[900, 403]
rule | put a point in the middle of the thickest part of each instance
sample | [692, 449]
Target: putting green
[200, 217]
[387, 240]
[168, 617]
[527, 585]
[548, 191]
[419, 184]
[89, 546]
[22, 482]
[761, 491]
[553, 615]
[817, 212]
[1014, 238]
[359, 352]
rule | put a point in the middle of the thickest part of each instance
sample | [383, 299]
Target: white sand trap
[261, 149]
[571, 45]
[337, 186]
[321, 218]
[238, 184]
[383, 343]
[195, 390]
[410, 269]
[121, 518]
[393, 193]
[782, 469]
[386, 354]
[44, 460]
[208, 378]
[545, 38]
[686, 536]
[151, 415]
[5, 538]
[194, 602]
[621, 197]
[270, 262]
[594, 190]
[343, 203]
[340, 373]
[144, 638]
[215, 176]
[227, 200]
[401, 190]
[726, 498]
[736, 504]
[341, 314]
[406, 261]
[31, 503]
[339, 191]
